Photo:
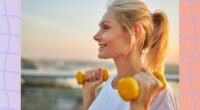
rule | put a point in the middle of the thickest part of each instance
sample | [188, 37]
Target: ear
[137, 29]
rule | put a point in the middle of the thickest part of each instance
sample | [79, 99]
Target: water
[55, 88]
[51, 98]
[66, 95]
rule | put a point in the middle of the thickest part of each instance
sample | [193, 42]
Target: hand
[93, 78]
[149, 88]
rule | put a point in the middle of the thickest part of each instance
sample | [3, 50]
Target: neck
[128, 65]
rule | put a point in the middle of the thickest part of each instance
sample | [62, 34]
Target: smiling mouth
[102, 45]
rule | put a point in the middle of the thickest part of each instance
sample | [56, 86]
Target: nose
[97, 37]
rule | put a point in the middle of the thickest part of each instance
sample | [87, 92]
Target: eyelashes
[106, 27]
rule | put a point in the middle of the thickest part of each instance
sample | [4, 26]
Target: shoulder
[171, 98]
[166, 100]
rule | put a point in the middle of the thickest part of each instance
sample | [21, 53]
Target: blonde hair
[155, 27]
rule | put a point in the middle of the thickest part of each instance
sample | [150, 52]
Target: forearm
[140, 107]
[88, 98]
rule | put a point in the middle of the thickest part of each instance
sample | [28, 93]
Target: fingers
[149, 87]
[93, 75]
[100, 75]
[148, 82]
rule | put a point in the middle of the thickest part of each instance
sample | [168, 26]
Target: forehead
[109, 17]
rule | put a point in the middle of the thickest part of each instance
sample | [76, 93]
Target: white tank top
[109, 99]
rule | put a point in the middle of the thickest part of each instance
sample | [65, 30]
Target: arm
[140, 107]
[149, 88]
[93, 79]
[88, 98]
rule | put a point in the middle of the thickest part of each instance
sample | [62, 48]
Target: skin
[116, 43]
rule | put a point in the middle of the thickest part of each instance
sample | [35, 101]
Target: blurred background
[57, 40]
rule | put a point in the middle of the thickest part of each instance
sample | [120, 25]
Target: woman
[137, 41]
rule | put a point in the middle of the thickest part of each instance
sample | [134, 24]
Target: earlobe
[137, 30]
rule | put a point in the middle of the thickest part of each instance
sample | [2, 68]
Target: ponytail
[154, 35]
[159, 45]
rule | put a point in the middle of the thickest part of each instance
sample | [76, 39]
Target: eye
[106, 27]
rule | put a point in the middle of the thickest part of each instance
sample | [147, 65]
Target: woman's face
[112, 39]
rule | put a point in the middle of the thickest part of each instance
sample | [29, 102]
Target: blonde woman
[137, 41]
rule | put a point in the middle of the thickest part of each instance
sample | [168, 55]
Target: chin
[102, 56]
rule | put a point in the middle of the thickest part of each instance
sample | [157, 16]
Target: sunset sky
[64, 29]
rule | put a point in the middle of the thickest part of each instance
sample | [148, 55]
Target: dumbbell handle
[128, 87]
[80, 78]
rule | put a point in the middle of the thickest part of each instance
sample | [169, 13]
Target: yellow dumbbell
[80, 78]
[128, 87]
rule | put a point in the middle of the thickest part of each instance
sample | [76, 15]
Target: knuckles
[92, 75]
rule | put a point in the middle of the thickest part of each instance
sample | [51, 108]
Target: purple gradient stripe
[10, 55]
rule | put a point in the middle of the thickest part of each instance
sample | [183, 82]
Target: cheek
[108, 37]
[118, 42]
[119, 45]
[111, 37]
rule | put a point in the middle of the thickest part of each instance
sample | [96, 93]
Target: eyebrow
[101, 23]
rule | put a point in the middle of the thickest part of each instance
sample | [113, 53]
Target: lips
[102, 46]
